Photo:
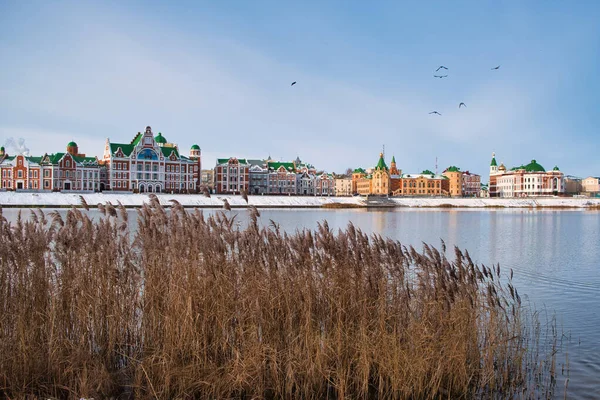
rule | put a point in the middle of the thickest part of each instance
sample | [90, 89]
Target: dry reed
[188, 306]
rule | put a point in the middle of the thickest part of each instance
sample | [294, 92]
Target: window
[67, 163]
[20, 174]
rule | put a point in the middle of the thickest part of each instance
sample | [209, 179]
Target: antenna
[436, 166]
[383, 152]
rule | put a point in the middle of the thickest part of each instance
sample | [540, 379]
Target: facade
[343, 186]
[70, 171]
[424, 184]
[591, 185]
[232, 175]
[471, 184]
[324, 185]
[282, 178]
[525, 180]
[259, 177]
[462, 183]
[455, 181]
[357, 174]
[151, 164]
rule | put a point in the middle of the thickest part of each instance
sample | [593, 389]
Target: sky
[218, 74]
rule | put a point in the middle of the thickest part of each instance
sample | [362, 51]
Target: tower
[493, 165]
[196, 156]
[72, 148]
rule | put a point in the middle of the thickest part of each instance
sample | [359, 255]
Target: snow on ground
[16, 199]
[498, 202]
[26, 199]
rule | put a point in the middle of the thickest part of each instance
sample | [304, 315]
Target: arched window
[147, 154]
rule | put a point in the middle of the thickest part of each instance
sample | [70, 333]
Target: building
[324, 184]
[591, 185]
[455, 180]
[357, 174]
[259, 177]
[151, 164]
[484, 191]
[232, 175]
[69, 171]
[573, 185]
[282, 178]
[471, 184]
[343, 185]
[525, 180]
[424, 184]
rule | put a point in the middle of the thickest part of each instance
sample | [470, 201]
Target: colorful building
[525, 180]
[151, 164]
[232, 175]
[455, 181]
[70, 171]
[424, 184]
[462, 183]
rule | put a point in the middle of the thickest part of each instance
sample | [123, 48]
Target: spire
[393, 159]
[493, 164]
[381, 164]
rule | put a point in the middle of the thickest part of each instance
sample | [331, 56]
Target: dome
[533, 166]
[555, 168]
[160, 138]
[72, 144]
[194, 147]
[453, 168]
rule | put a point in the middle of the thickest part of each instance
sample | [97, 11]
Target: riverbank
[60, 200]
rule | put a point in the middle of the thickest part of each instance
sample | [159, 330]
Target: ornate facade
[525, 180]
[151, 164]
[69, 171]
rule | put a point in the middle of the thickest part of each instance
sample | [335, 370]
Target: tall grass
[188, 306]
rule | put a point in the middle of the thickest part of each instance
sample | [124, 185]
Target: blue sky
[218, 74]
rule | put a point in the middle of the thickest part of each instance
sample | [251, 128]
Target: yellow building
[377, 183]
[357, 174]
[343, 185]
[424, 184]
[455, 181]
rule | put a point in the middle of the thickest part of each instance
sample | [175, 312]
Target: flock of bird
[445, 76]
[226, 204]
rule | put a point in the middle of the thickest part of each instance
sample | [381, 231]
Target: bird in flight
[435, 112]
[461, 104]
[440, 67]
[498, 67]
[440, 76]
[293, 83]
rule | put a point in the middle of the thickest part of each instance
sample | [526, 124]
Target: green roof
[452, 169]
[226, 160]
[493, 164]
[160, 138]
[427, 172]
[533, 166]
[72, 144]
[394, 159]
[381, 164]
[555, 168]
[136, 139]
[35, 159]
[168, 150]
[126, 148]
[2, 148]
[195, 147]
[289, 166]
[359, 171]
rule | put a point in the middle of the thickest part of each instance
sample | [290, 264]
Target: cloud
[111, 80]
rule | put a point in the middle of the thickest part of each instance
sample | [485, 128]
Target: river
[555, 256]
